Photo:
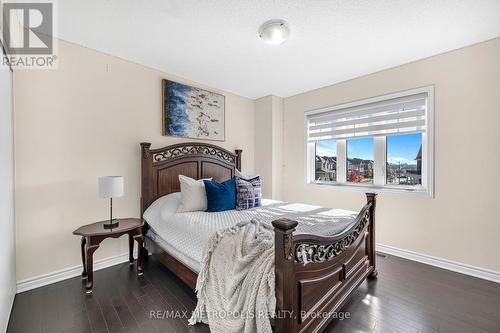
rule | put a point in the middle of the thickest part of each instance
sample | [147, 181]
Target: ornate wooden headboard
[161, 167]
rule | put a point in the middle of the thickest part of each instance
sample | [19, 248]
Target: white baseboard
[67, 273]
[49, 278]
[454, 266]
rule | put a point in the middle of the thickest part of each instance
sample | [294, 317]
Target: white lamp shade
[110, 186]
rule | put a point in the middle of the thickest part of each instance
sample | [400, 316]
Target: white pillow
[193, 195]
[162, 207]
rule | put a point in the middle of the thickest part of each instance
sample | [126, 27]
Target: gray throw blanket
[235, 286]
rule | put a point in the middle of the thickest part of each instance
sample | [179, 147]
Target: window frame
[379, 152]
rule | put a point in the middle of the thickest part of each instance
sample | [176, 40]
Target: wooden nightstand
[93, 234]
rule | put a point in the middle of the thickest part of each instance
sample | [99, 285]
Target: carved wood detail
[311, 253]
[288, 251]
[194, 149]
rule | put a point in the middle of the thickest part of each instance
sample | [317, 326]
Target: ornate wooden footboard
[316, 275]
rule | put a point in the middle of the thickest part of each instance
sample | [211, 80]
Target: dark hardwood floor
[406, 297]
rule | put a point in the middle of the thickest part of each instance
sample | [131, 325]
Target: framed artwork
[192, 112]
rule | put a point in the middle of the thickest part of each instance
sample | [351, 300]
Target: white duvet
[185, 235]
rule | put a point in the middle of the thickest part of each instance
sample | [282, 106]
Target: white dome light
[274, 32]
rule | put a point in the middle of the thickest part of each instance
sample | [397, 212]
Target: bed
[321, 255]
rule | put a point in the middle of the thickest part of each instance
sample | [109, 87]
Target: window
[383, 142]
[404, 159]
[360, 160]
[325, 161]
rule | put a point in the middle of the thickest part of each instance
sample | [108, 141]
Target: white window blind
[405, 114]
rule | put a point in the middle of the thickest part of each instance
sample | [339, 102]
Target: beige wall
[277, 146]
[7, 226]
[263, 143]
[269, 144]
[461, 223]
[79, 122]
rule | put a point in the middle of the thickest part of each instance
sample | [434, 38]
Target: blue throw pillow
[220, 196]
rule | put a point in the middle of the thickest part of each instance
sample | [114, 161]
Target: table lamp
[110, 187]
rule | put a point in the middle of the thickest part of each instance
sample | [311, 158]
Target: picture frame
[192, 112]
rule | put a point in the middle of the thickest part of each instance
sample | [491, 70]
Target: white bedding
[185, 235]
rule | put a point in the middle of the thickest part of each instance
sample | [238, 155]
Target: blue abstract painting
[192, 112]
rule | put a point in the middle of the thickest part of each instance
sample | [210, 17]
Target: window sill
[422, 192]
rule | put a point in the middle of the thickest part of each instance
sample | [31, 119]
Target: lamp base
[111, 224]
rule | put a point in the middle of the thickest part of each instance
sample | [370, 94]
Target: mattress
[185, 235]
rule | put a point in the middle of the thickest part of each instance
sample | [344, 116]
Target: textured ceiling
[215, 42]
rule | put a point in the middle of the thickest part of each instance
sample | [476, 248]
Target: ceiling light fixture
[274, 32]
